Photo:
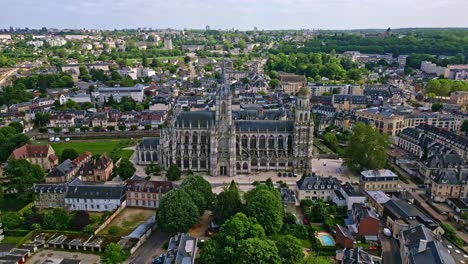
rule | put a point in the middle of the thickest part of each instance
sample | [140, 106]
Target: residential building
[145, 193]
[365, 219]
[288, 199]
[49, 195]
[401, 215]
[96, 170]
[355, 256]
[344, 238]
[384, 180]
[42, 155]
[99, 198]
[62, 121]
[384, 120]
[315, 187]
[448, 183]
[347, 195]
[136, 93]
[347, 102]
[182, 249]
[168, 43]
[377, 200]
[290, 83]
[432, 68]
[418, 245]
[459, 98]
[446, 138]
[456, 72]
[64, 172]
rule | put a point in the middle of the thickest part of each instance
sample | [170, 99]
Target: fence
[108, 220]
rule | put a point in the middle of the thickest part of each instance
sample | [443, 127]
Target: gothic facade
[216, 143]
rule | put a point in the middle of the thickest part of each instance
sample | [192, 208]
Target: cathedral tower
[303, 132]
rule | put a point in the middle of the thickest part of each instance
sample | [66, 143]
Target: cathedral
[216, 143]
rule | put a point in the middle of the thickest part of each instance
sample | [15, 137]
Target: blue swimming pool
[326, 239]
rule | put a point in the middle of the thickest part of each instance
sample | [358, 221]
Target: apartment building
[374, 180]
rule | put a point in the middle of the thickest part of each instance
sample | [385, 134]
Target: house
[49, 195]
[366, 220]
[42, 155]
[315, 187]
[62, 120]
[136, 93]
[96, 170]
[400, 215]
[347, 195]
[62, 173]
[99, 198]
[355, 256]
[290, 83]
[182, 249]
[418, 245]
[448, 183]
[145, 193]
[288, 199]
[344, 238]
[377, 200]
[384, 180]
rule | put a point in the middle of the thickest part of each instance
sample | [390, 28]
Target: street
[152, 247]
[390, 250]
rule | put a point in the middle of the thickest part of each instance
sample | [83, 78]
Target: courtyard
[126, 221]
[42, 256]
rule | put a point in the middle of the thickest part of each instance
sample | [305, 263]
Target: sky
[238, 14]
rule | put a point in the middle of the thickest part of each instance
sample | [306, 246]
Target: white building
[56, 42]
[129, 72]
[315, 187]
[145, 72]
[348, 195]
[87, 46]
[168, 44]
[432, 68]
[36, 44]
[95, 197]
[136, 93]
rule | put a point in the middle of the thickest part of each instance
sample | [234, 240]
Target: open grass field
[13, 240]
[113, 148]
[128, 220]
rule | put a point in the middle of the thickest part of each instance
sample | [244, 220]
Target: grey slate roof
[50, 188]
[308, 183]
[110, 192]
[264, 125]
[204, 118]
[63, 169]
[149, 143]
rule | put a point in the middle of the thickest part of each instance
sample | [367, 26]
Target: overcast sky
[239, 14]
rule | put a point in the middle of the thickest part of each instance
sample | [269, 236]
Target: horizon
[241, 14]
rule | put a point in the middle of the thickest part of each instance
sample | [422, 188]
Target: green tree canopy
[57, 219]
[114, 254]
[173, 173]
[256, 250]
[264, 204]
[177, 212]
[17, 126]
[21, 175]
[126, 169]
[367, 148]
[290, 250]
[227, 203]
[69, 153]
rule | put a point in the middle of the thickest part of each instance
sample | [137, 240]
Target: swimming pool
[326, 239]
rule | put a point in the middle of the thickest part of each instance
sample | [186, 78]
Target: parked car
[67, 139]
[387, 232]
[51, 139]
[57, 139]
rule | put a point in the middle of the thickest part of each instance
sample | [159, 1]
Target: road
[390, 250]
[6, 75]
[193, 74]
[152, 247]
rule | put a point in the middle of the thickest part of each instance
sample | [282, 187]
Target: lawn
[11, 240]
[128, 220]
[113, 148]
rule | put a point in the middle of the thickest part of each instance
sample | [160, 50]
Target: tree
[264, 204]
[80, 220]
[199, 190]
[367, 148]
[256, 250]
[354, 74]
[126, 169]
[177, 212]
[227, 204]
[187, 59]
[331, 141]
[69, 153]
[274, 83]
[114, 254]
[436, 107]
[57, 219]
[41, 119]
[21, 175]
[144, 61]
[84, 74]
[17, 126]
[290, 249]
[464, 126]
[173, 173]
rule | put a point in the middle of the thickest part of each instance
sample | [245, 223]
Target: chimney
[422, 246]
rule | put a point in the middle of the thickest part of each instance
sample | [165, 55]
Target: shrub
[113, 230]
